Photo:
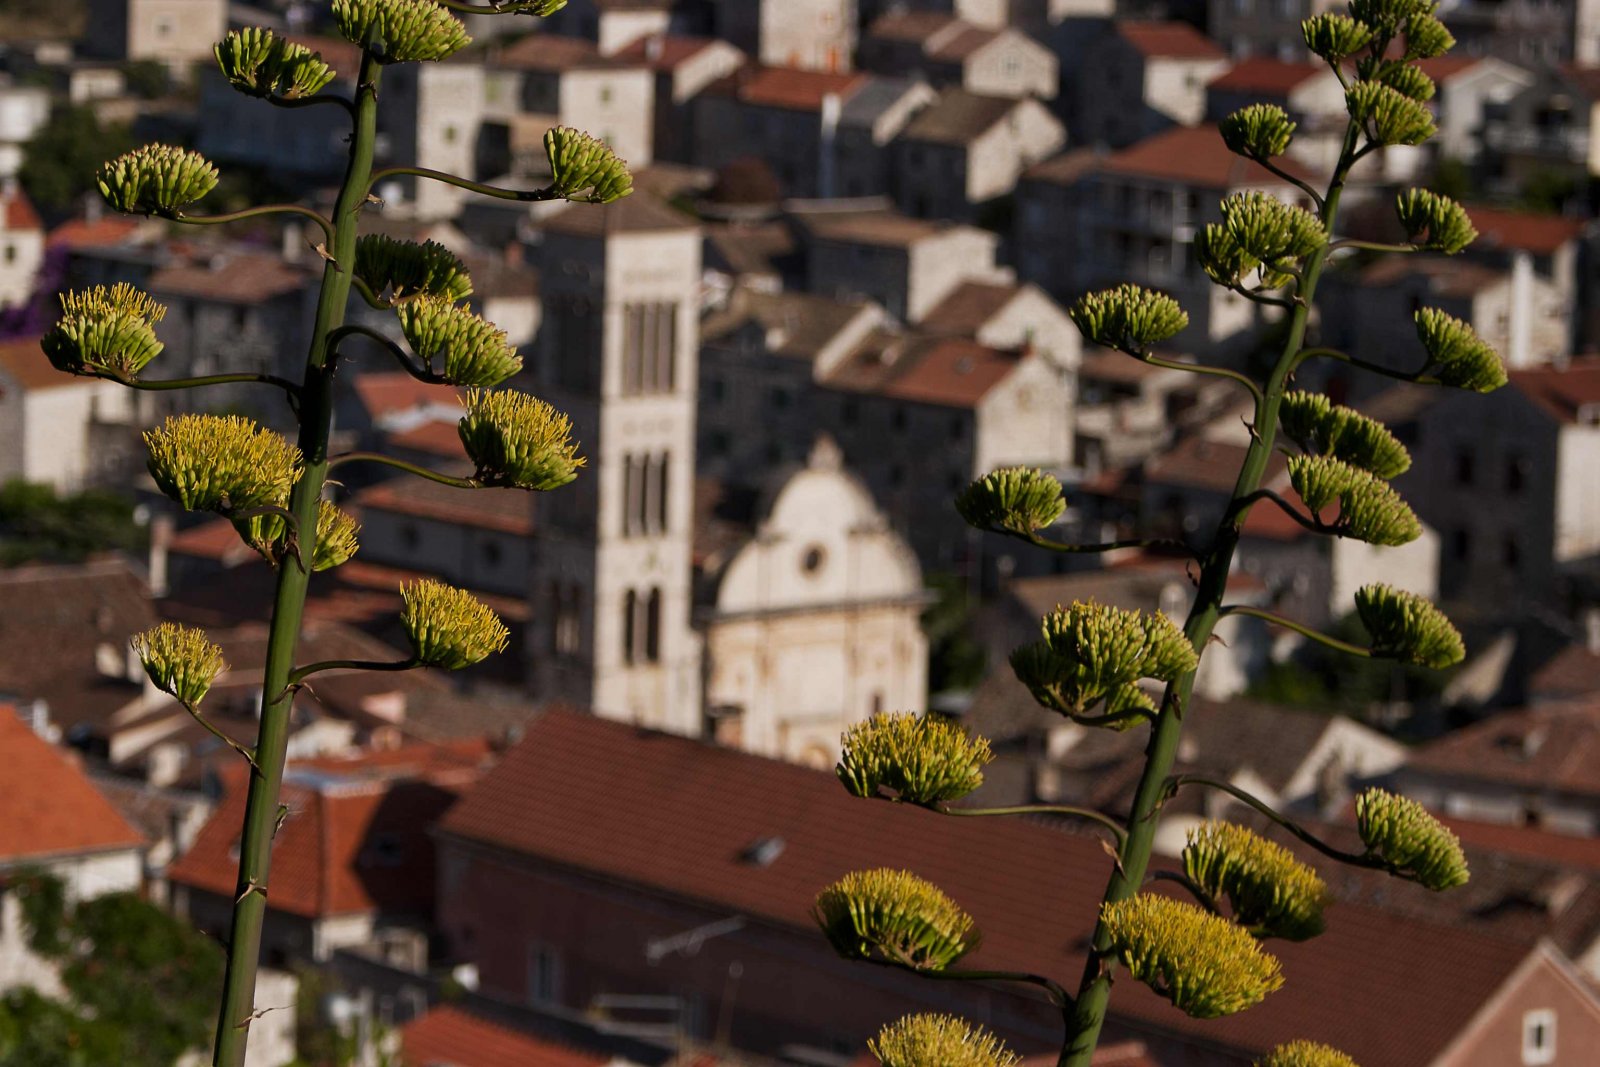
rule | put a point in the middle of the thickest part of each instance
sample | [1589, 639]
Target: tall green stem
[316, 415]
[1094, 991]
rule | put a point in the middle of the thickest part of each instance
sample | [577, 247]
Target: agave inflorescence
[1271, 893]
[942, 1040]
[583, 167]
[1408, 627]
[1014, 500]
[1369, 508]
[180, 660]
[1389, 116]
[1305, 1054]
[518, 440]
[221, 463]
[1129, 318]
[894, 916]
[1204, 964]
[105, 330]
[1335, 37]
[406, 269]
[1434, 222]
[468, 350]
[924, 759]
[1324, 428]
[1412, 842]
[401, 31]
[449, 628]
[1259, 131]
[1091, 652]
[156, 179]
[258, 62]
[1457, 356]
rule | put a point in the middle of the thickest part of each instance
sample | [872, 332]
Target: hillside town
[838, 294]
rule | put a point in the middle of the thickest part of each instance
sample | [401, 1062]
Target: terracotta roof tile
[16, 211]
[1523, 231]
[1201, 463]
[94, 233]
[1442, 275]
[665, 52]
[910, 26]
[1561, 392]
[507, 511]
[1553, 747]
[455, 1036]
[24, 362]
[436, 437]
[667, 815]
[236, 278]
[1566, 850]
[385, 393]
[1169, 40]
[968, 307]
[958, 117]
[1195, 155]
[1066, 168]
[1443, 68]
[1572, 672]
[961, 42]
[1270, 77]
[549, 52]
[639, 213]
[792, 89]
[885, 229]
[48, 807]
[950, 372]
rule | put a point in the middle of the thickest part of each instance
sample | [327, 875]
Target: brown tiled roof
[1169, 40]
[1270, 77]
[637, 213]
[750, 248]
[24, 362]
[910, 25]
[1585, 80]
[968, 307]
[1443, 276]
[16, 211]
[1523, 231]
[95, 233]
[801, 324]
[950, 372]
[669, 816]
[1572, 672]
[1066, 168]
[1553, 747]
[1201, 463]
[665, 52]
[452, 1035]
[1195, 155]
[436, 437]
[1121, 1054]
[356, 838]
[962, 42]
[390, 392]
[48, 807]
[958, 117]
[549, 52]
[1102, 365]
[886, 229]
[508, 511]
[235, 278]
[216, 540]
[1561, 392]
[1443, 68]
[1565, 850]
[793, 89]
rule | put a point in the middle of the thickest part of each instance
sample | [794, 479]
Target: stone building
[966, 150]
[21, 245]
[808, 34]
[1163, 66]
[179, 33]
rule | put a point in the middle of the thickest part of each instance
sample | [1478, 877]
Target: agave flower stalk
[272, 488]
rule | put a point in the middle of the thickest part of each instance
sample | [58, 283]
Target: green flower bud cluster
[518, 440]
[108, 331]
[1388, 116]
[1413, 843]
[1014, 500]
[258, 62]
[538, 8]
[1092, 652]
[180, 661]
[1457, 356]
[924, 759]
[1408, 628]
[1404, 78]
[406, 269]
[1258, 233]
[156, 179]
[895, 916]
[942, 1040]
[1305, 1054]
[1324, 428]
[1258, 131]
[1204, 964]
[337, 536]
[1427, 37]
[400, 31]
[449, 628]
[1271, 893]
[1434, 222]
[1335, 38]
[584, 168]
[221, 463]
[1386, 17]
[1369, 508]
[473, 350]
[1129, 318]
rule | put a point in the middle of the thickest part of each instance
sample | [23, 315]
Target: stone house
[965, 150]
[1164, 66]
[1309, 91]
[590, 839]
[179, 33]
[23, 109]
[58, 429]
[1469, 86]
[1539, 252]
[1537, 36]
[683, 68]
[478, 540]
[949, 51]
[805, 34]
[1125, 410]
[863, 159]
[1548, 126]
[612, 25]
[21, 246]
[433, 118]
[1262, 27]
[1086, 221]
[546, 80]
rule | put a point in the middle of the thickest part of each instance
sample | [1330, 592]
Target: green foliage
[1400, 831]
[105, 330]
[1129, 318]
[156, 179]
[180, 660]
[337, 535]
[924, 759]
[518, 440]
[471, 350]
[955, 658]
[148, 79]
[1453, 179]
[1408, 628]
[42, 899]
[1548, 190]
[36, 1031]
[221, 463]
[1015, 500]
[405, 269]
[1426, 37]
[59, 163]
[1204, 964]
[1406, 79]
[401, 31]
[1324, 428]
[36, 524]
[894, 916]
[1271, 893]
[926, 1040]
[1259, 131]
[449, 628]
[1305, 1054]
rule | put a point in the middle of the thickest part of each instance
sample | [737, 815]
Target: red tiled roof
[508, 511]
[242, 278]
[1270, 77]
[1270, 523]
[1554, 747]
[95, 233]
[1565, 850]
[392, 392]
[455, 1036]
[214, 540]
[16, 211]
[1561, 392]
[1195, 155]
[1202, 463]
[356, 838]
[24, 362]
[671, 816]
[1572, 672]
[1443, 68]
[665, 52]
[794, 89]
[48, 808]
[909, 25]
[1522, 230]
[1169, 40]
[436, 438]
[955, 372]
[551, 52]
[968, 307]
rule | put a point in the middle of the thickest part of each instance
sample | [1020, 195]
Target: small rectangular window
[1464, 466]
[544, 975]
[1538, 1038]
